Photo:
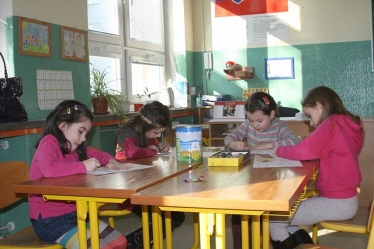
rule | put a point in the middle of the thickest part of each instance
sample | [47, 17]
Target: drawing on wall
[74, 44]
[53, 87]
[249, 91]
[279, 68]
[35, 37]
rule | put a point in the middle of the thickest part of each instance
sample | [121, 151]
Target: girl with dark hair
[62, 151]
[137, 138]
[336, 142]
[263, 130]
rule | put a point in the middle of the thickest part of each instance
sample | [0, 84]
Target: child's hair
[331, 102]
[151, 116]
[70, 112]
[260, 101]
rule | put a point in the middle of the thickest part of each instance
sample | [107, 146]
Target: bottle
[198, 97]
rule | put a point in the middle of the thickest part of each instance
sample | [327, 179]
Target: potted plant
[138, 105]
[103, 97]
[149, 94]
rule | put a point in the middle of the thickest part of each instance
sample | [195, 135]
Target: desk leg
[145, 224]
[206, 229]
[196, 231]
[265, 231]
[169, 236]
[245, 232]
[256, 234]
[94, 225]
[157, 228]
[81, 220]
[220, 231]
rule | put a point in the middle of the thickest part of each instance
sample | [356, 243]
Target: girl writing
[336, 142]
[263, 130]
[137, 138]
[63, 151]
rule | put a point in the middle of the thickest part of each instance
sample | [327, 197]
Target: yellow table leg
[145, 224]
[245, 231]
[195, 231]
[157, 239]
[168, 228]
[256, 234]
[81, 220]
[220, 231]
[265, 231]
[204, 237]
[94, 225]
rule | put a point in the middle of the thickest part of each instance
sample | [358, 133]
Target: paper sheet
[267, 161]
[103, 171]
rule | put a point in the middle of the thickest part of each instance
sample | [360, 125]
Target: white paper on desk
[103, 171]
[262, 152]
[274, 162]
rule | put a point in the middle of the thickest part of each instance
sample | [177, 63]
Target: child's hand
[114, 164]
[91, 164]
[164, 147]
[154, 147]
[261, 146]
[239, 145]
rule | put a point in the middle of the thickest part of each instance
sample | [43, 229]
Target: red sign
[249, 7]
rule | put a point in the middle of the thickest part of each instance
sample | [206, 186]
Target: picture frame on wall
[279, 68]
[74, 44]
[35, 37]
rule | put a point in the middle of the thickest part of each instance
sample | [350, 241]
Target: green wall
[346, 67]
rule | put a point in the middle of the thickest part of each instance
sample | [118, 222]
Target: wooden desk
[229, 190]
[87, 190]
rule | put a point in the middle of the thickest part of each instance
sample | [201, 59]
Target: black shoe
[285, 244]
[301, 237]
[135, 239]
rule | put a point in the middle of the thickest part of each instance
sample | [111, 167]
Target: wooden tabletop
[239, 188]
[117, 185]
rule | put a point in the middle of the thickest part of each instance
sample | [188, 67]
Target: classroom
[314, 42]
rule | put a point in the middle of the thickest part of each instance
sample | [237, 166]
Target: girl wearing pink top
[63, 151]
[336, 142]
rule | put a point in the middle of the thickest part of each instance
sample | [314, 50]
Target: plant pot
[137, 106]
[126, 106]
[100, 106]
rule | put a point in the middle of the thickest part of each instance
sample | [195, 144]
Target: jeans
[52, 228]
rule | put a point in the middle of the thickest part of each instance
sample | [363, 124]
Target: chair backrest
[371, 217]
[11, 172]
[287, 111]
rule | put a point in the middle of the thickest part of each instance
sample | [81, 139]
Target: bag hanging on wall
[11, 108]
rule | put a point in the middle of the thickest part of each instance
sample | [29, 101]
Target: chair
[362, 223]
[15, 172]
[287, 111]
[111, 210]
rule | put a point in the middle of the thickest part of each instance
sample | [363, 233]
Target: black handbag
[11, 108]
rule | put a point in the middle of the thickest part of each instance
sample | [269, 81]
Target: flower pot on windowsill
[100, 106]
[138, 106]
[126, 106]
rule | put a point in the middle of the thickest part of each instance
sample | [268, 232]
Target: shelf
[244, 73]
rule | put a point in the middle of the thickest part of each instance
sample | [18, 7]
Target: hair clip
[267, 101]
[261, 103]
[76, 107]
[68, 111]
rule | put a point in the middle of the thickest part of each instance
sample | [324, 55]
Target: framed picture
[279, 68]
[35, 37]
[74, 44]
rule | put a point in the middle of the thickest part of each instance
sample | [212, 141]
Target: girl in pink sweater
[63, 151]
[336, 142]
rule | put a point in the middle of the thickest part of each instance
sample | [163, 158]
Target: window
[126, 39]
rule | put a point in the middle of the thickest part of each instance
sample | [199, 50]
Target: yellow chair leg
[315, 234]
[111, 222]
[196, 231]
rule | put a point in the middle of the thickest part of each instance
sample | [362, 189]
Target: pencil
[162, 138]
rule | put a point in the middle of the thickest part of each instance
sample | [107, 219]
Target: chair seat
[314, 247]
[112, 209]
[358, 224]
[26, 238]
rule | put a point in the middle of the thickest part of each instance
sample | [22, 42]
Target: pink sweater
[48, 162]
[337, 142]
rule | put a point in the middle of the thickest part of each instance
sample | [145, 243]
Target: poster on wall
[224, 8]
[53, 87]
[74, 44]
[249, 91]
[35, 37]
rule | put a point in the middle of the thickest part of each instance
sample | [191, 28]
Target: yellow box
[224, 161]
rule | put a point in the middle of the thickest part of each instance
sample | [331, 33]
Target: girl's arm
[286, 137]
[233, 140]
[133, 151]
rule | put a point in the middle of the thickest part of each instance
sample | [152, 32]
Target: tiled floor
[183, 236]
